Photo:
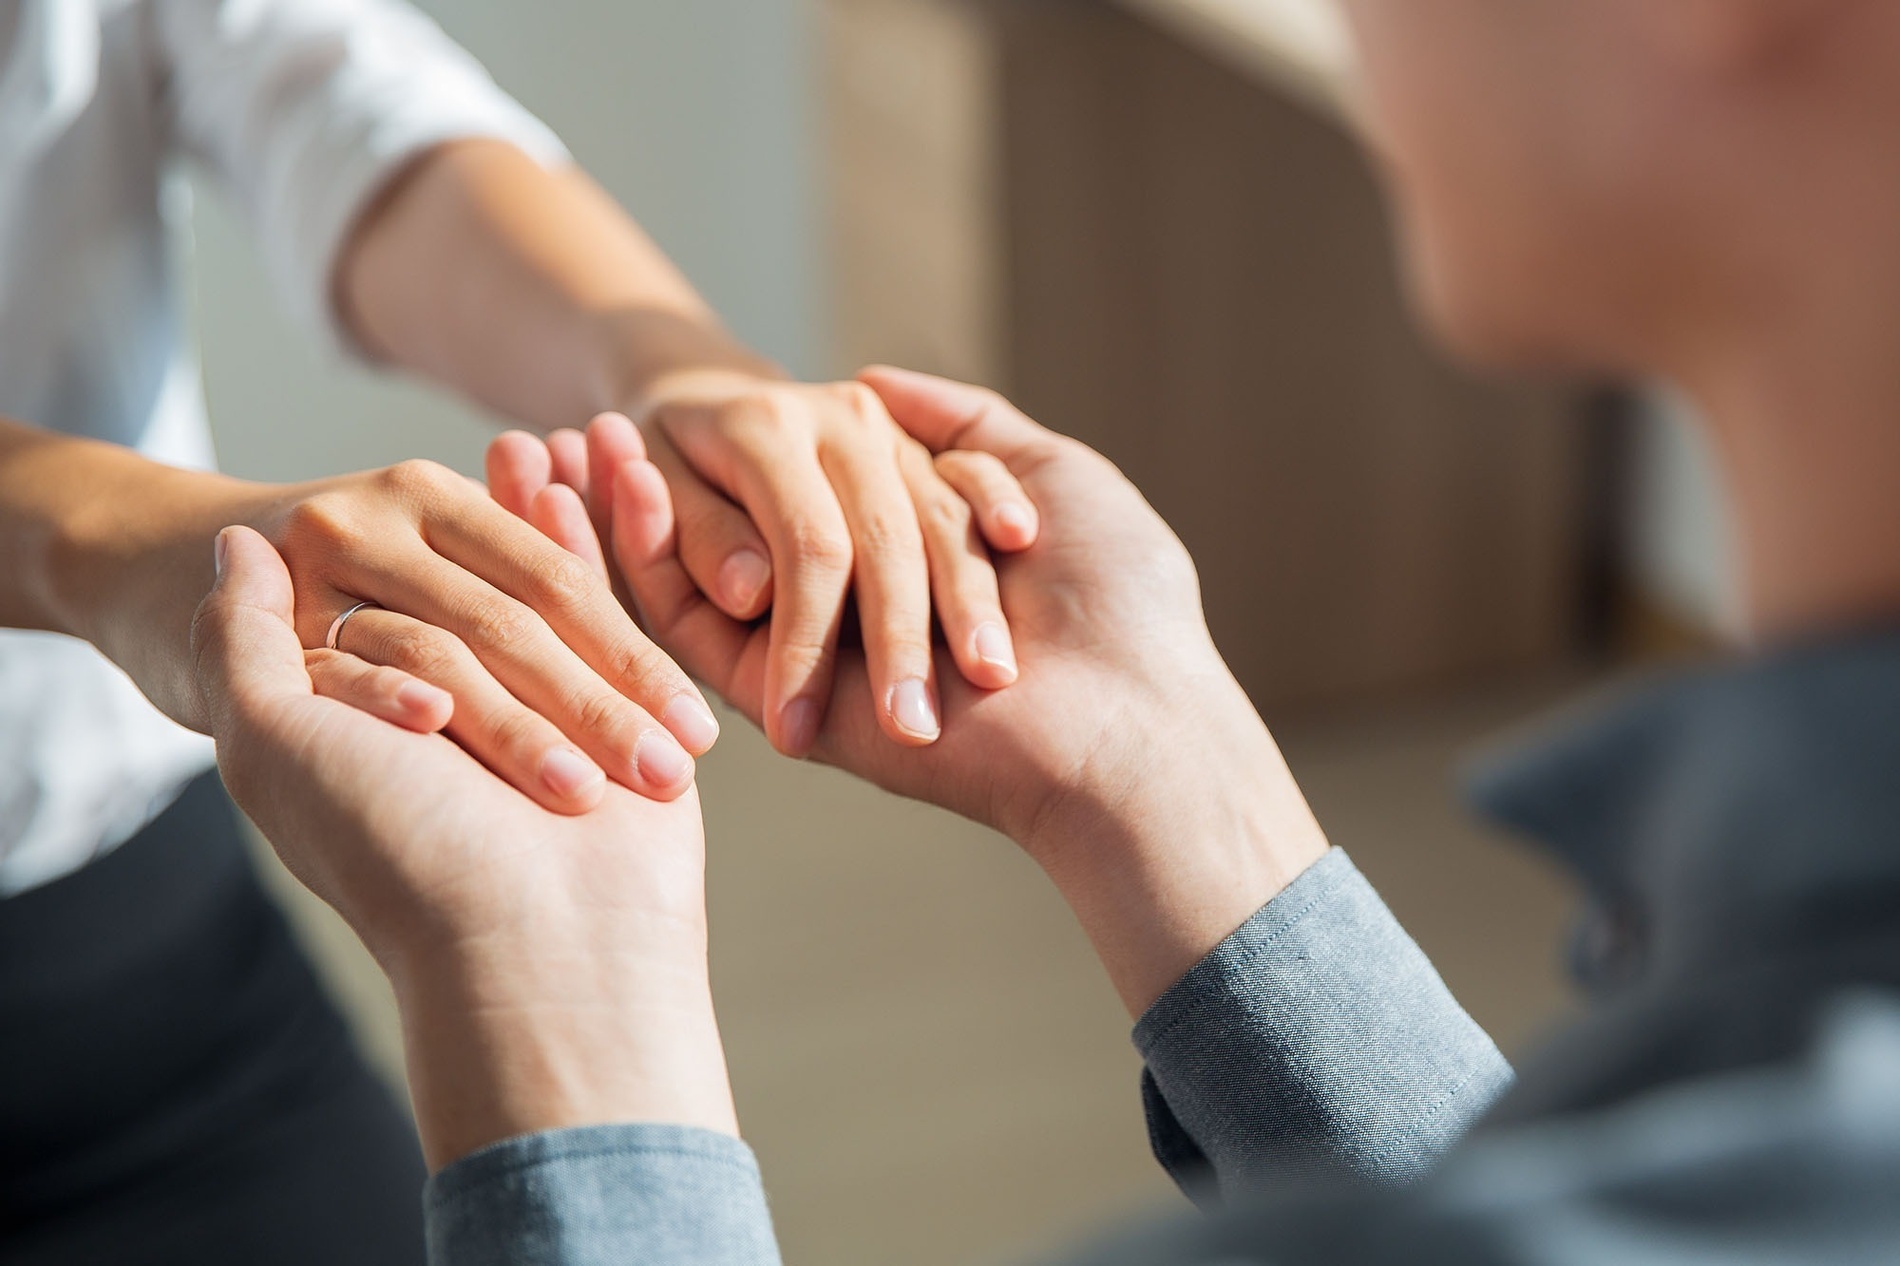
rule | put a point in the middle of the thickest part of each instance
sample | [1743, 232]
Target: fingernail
[691, 722]
[1014, 516]
[661, 761]
[798, 726]
[993, 647]
[912, 710]
[567, 773]
[217, 553]
[420, 696]
[742, 576]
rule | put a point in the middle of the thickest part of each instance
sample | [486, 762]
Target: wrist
[1167, 841]
[654, 355]
[508, 1040]
[128, 562]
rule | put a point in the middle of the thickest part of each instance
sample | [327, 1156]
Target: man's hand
[794, 497]
[553, 686]
[1126, 759]
[551, 969]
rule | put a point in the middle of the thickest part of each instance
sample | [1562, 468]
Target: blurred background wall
[1148, 221]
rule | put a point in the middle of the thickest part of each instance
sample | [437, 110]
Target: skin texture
[1702, 192]
[1125, 760]
[531, 292]
[551, 969]
[550, 683]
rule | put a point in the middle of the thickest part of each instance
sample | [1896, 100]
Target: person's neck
[1805, 414]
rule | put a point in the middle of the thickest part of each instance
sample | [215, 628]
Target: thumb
[943, 414]
[244, 647]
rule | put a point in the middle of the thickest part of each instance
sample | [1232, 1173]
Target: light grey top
[1734, 1095]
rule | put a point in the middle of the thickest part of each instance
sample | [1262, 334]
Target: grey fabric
[603, 1196]
[1315, 1042]
[1733, 1097]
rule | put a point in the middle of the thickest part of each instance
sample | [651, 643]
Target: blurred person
[172, 1084]
[1704, 191]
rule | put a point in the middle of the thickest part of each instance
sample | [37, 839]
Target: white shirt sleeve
[304, 108]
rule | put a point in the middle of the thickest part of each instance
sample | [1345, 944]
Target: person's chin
[1496, 334]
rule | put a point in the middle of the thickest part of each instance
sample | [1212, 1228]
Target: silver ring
[336, 625]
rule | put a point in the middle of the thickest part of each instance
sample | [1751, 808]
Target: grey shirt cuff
[1315, 1041]
[594, 1195]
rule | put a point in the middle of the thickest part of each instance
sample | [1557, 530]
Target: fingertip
[567, 448]
[690, 721]
[517, 465]
[1013, 526]
[912, 708]
[797, 728]
[994, 652]
[744, 580]
[426, 708]
[665, 768]
[575, 780]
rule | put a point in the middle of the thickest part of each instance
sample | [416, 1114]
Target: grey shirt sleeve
[660, 1195]
[1315, 1041]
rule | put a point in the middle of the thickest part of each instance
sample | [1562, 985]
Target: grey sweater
[1734, 1096]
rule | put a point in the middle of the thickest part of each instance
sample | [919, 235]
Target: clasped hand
[552, 967]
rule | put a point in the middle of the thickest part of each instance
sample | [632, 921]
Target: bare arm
[526, 289]
[529, 290]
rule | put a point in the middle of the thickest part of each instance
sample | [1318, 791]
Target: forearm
[525, 289]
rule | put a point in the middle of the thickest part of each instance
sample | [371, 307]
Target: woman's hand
[1126, 760]
[551, 969]
[792, 498]
[553, 686]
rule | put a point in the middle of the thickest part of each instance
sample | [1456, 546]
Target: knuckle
[502, 626]
[599, 712]
[639, 661]
[421, 479]
[880, 536]
[563, 582]
[820, 547]
[326, 521]
[945, 514]
[764, 416]
[857, 399]
[424, 651]
[513, 728]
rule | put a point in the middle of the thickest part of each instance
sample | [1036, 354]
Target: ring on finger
[336, 625]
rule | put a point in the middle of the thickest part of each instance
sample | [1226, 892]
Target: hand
[551, 970]
[551, 682]
[1126, 760]
[790, 497]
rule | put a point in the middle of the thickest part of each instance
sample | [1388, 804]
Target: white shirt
[301, 108]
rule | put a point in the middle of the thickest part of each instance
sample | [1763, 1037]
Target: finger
[518, 466]
[891, 575]
[598, 707]
[389, 693]
[713, 646]
[559, 514]
[513, 740]
[244, 641]
[790, 498]
[567, 448]
[612, 441]
[945, 414]
[717, 543]
[962, 578]
[1004, 513]
[552, 631]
